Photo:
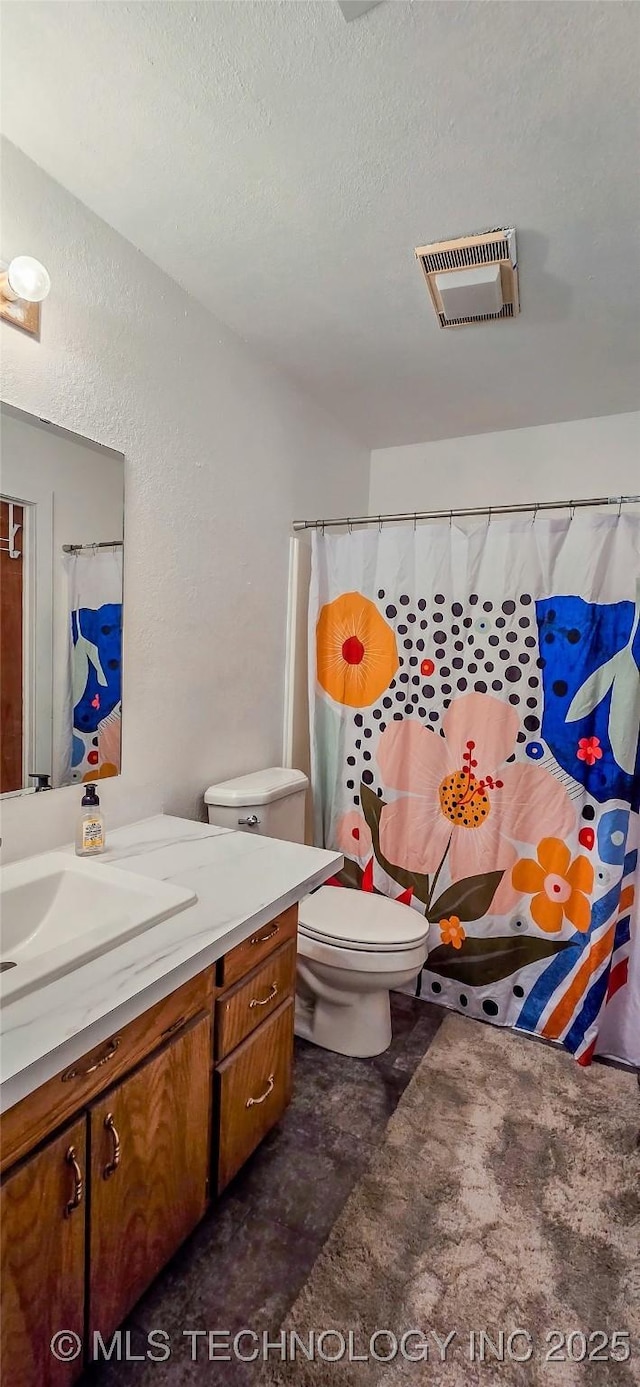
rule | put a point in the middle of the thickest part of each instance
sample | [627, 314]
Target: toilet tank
[270, 802]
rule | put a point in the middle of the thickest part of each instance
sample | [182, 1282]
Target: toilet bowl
[353, 946]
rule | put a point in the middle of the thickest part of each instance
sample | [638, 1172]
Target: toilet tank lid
[260, 787]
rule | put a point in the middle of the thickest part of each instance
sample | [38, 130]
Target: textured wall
[554, 462]
[221, 453]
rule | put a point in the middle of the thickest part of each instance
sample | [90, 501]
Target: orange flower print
[356, 651]
[589, 750]
[452, 932]
[558, 886]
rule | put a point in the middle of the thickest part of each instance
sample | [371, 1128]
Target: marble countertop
[241, 880]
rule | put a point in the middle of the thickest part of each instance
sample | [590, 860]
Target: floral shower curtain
[94, 696]
[475, 706]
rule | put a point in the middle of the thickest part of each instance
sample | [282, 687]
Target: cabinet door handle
[112, 1165]
[262, 938]
[263, 1001]
[175, 1026]
[104, 1059]
[78, 1183]
[251, 1102]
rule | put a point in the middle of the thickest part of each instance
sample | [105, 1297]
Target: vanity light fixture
[24, 283]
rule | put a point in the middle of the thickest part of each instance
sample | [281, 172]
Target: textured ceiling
[282, 165]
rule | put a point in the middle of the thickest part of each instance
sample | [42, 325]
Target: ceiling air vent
[473, 279]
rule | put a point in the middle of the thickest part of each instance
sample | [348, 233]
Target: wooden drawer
[27, 1123]
[240, 961]
[253, 1088]
[244, 1007]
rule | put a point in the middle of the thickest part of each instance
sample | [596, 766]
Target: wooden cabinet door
[42, 1211]
[253, 1088]
[150, 1153]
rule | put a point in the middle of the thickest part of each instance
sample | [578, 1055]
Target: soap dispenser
[90, 834]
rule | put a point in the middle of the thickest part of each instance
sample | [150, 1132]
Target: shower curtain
[92, 718]
[475, 706]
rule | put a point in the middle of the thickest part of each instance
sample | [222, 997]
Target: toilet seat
[364, 961]
[360, 921]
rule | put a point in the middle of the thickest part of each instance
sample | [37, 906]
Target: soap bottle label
[92, 838]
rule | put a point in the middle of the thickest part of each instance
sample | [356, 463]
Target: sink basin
[59, 911]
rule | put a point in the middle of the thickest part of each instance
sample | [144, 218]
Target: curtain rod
[101, 544]
[535, 506]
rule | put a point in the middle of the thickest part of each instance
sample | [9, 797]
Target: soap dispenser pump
[90, 835]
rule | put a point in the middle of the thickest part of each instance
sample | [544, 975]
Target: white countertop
[242, 881]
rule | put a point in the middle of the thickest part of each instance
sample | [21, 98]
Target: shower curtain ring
[620, 500]
[379, 524]
[489, 517]
[349, 526]
[450, 519]
[415, 521]
[535, 512]
[572, 510]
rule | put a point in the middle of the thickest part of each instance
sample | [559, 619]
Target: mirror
[61, 554]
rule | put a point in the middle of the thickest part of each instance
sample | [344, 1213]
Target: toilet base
[360, 1028]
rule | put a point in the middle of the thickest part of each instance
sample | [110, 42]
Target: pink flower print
[589, 750]
[353, 836]
[456, 792]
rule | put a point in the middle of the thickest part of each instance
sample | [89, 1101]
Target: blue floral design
[97, 641]
[612, 836]
[589, 655]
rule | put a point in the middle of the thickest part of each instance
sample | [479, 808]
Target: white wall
[554, 462]
[221, 453]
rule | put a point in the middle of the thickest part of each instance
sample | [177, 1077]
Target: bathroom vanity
[119, 1133]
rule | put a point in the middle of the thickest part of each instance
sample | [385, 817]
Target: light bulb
[28, 279]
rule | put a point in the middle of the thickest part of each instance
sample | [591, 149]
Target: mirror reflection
[61, 553]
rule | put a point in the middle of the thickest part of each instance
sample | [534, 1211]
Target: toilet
[353, 946]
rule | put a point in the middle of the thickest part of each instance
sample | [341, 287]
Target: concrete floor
[246, 1262]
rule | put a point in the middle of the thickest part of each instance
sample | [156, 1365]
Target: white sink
[59, 911]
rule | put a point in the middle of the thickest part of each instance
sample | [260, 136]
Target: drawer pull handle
[262, 938]
[78, 1183]
[251, 1102]
[104, 1059]
[264, 1001]
[112, 1165]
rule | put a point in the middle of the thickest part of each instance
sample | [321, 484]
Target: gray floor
[246, 1262]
